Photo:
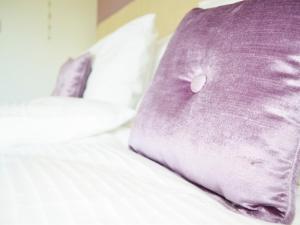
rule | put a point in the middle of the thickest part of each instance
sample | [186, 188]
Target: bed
[99, 180]
[66, 160]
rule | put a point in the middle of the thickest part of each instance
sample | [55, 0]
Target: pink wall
[108, 7]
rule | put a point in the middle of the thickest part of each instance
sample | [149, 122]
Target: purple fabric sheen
[237, 133]
[73, 77]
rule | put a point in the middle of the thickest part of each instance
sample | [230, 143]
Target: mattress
[99, 180]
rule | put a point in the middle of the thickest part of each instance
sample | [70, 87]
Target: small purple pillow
[73, 76]
[224, 108]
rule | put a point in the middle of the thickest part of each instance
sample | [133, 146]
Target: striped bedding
[100, 181]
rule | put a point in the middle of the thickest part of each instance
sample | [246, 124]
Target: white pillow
[122, 60]
[55, 119]
[162, 47]
[205, 4]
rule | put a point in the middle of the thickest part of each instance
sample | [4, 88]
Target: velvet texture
[223, 110]
[73, 76]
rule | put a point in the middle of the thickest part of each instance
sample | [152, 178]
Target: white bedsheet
[100, 181]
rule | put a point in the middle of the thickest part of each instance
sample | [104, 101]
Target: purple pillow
[224, 108]
[73, 77]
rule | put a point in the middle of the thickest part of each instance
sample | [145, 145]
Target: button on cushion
[197, 83]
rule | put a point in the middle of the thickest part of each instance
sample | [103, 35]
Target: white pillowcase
[55, 119]
[162, 47]
[122, 60]
[205, 4]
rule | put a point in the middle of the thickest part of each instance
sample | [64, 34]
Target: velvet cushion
[73, 76]
[223, 110]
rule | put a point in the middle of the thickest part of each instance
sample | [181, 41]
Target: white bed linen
[206, 4]
[100, 181]
[123, 61]
[57, 119]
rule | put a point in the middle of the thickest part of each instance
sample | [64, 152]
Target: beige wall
[169, 14]
[29, 62]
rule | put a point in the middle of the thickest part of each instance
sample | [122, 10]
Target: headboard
[169, 13]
